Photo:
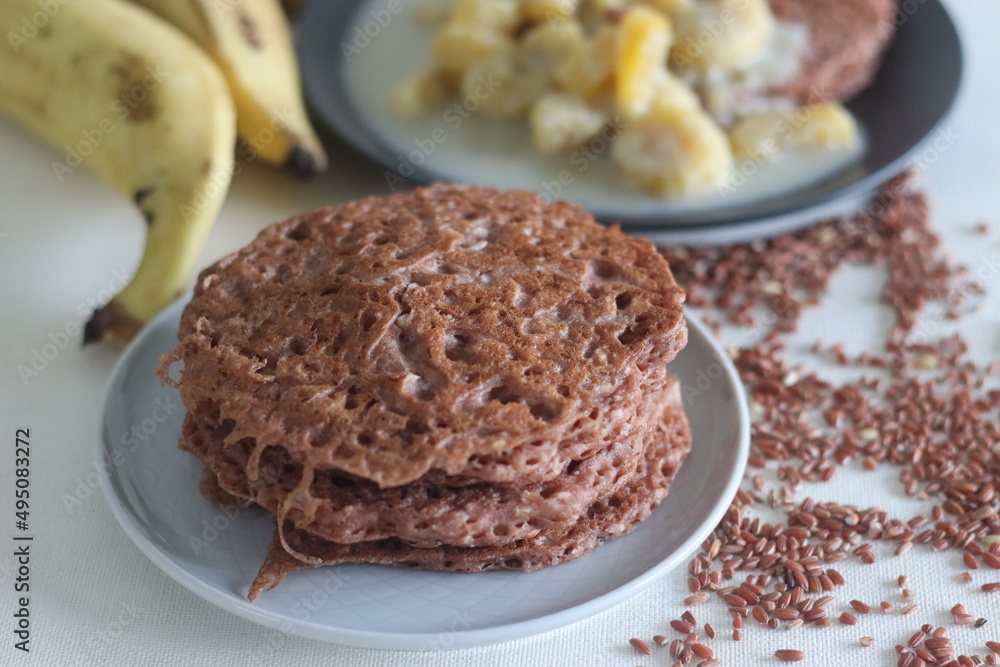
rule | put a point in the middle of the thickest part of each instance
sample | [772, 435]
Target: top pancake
[397, 335]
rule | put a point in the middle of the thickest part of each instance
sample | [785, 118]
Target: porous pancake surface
[394, 336]
[606, 519]
[427, 514]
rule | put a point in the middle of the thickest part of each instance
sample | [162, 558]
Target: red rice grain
[640, 646]
[860, 607]
[790, 655]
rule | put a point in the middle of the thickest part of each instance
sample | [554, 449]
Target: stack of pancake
[455, 379]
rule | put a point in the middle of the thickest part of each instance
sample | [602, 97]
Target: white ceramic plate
[152, 488]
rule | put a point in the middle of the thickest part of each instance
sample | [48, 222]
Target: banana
[644, 38]
[676, 149]
[251, 42]
[134, 100]
[561, 123]
[765, 135]
[726, 34]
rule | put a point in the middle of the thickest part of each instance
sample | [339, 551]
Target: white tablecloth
[97, 600]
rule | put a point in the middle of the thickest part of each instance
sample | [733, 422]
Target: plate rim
[791, 215]
[417, 641]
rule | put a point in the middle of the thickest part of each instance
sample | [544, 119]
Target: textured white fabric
[97, 600]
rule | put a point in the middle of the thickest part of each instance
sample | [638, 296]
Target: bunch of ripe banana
[157, 92]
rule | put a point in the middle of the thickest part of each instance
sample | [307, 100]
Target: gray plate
[152, 488]
[912, 93]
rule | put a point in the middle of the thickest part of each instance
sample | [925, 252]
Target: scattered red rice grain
[924, 410]
[737, 634]
[860, 607]
[867, 641]
[702, 651]
[970, 561]
[709, 631]
[991, 559]
[689, 618]
[991, 587]
[966, 578]
[640, 646]
[660, 640]
[681, 627]
[993, 646]
[790, 655]
[848, 619]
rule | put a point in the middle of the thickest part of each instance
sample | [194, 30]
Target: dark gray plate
[910, 97]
